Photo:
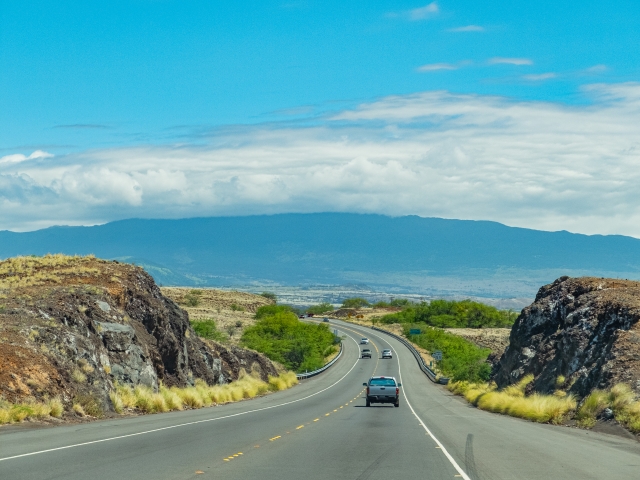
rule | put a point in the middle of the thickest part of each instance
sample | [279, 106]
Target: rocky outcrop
[77, 325]
[584, 330]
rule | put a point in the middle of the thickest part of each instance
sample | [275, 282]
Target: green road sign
[415, 331]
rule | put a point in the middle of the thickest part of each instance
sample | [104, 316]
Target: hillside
[410, 254]
[231, 311]
[76, 327]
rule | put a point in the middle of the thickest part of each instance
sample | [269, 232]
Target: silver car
[387, 353]
[364, 341]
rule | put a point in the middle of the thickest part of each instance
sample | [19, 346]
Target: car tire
[397, 404]
[368, 403]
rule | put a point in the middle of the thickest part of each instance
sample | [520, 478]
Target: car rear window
[383, 382]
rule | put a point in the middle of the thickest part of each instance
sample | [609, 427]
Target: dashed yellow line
[301, 426]
[316, 419]
[275, 438]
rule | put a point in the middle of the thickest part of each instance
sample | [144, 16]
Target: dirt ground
[232, 311]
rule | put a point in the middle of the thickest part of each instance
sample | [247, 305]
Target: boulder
[578, 334]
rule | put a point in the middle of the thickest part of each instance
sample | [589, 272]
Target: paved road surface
[321, 429]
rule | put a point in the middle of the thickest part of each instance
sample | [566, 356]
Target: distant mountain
[411, 254]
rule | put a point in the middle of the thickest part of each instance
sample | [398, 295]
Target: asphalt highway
[321, 429]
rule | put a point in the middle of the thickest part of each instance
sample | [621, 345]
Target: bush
[270, 296]
[320, 308]
[453, 314]
[355, 302]
[283, 338]
[268, 310]
[461, 359]
[207, 329]
[191, 299]
[237, 308]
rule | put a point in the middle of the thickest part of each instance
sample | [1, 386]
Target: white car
[387, 353]
[364, 341]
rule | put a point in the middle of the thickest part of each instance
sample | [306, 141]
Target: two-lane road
[322, 428]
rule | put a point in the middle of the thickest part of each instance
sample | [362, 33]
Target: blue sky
[101, 84]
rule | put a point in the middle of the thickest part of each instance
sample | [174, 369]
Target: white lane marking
[440, 445]
[184, 424]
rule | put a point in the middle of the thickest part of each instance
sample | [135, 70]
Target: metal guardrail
[421, 363]
[302, 376]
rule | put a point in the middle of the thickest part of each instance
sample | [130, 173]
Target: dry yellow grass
[513, 401]
[232, 311]
[145, 400]
[18, 412]
[31, 271]
[620, 399]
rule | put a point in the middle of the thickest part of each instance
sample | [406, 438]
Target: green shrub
[268, 310]
[320, 308]
[453, 314]
[191, 299]
[461, 359]
[237, 308]
[270, 296]
[283, 338]
[355, 302]
[207, 329]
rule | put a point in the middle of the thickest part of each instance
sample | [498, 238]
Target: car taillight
[397, 391]
[367, 390]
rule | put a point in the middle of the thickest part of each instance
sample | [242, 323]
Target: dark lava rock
[65, 318]
[584, 329]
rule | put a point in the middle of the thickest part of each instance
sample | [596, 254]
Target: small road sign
[415, 331]
[437, 355]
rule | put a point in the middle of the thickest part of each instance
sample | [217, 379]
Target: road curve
[321, 428]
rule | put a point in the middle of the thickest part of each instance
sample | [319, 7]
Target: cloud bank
[533, 164]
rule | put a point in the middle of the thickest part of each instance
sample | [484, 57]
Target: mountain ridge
[474, 257]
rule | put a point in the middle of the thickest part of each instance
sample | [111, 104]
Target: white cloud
[597, 69]
[19, 157]
[539, 77]
[432, 67]
[532, 164]
[510, 61]
[467, 28]
[416, 14]
[424, 12]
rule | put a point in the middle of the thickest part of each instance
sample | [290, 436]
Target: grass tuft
[513, 401]
[200, 395]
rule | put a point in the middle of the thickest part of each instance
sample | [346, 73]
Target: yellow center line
[327, 414]
[316, 419]
[336, 410]
[301, 426]
[226, 459]
[239, 453]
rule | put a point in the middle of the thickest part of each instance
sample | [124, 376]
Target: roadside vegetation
[453, 314]
[513, 401]
[395, 302]
[145, 400]
[355, 302]
[461, 359]
[619, 403]
[283, 338]
[29, 410]
[319, 309]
